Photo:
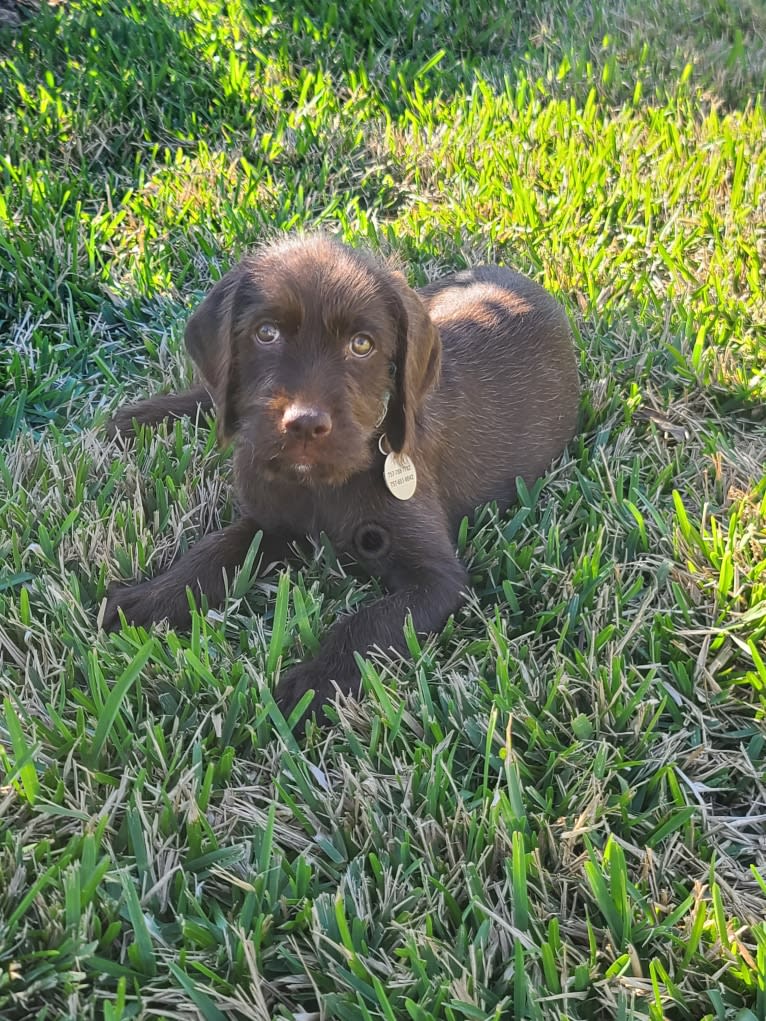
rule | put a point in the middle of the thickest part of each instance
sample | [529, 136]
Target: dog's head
[312, 349]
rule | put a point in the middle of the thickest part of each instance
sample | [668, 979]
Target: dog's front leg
[203, 569]
[425, 579]
[155, 409]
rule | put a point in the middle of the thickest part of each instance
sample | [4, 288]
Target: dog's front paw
[320, 678]
[144, 604]
[134, 601]
[121, 423]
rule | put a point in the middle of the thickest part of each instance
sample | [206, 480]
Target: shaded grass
[557, 809]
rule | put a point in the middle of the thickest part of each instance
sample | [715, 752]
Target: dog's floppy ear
[209, 343]
[417, 364]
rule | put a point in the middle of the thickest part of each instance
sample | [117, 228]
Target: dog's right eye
[266, 333]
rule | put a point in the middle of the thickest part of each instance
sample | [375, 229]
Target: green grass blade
[117, 696]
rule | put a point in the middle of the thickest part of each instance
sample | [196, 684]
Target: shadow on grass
[109, 95]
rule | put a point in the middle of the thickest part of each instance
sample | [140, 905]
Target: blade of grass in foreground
[279, 629]
[201, 1000]
[23, 764]
[141, 953]
[116, 697]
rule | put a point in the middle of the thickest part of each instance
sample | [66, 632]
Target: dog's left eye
[361, 346]
[266, 333]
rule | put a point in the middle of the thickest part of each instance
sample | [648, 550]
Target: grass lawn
[558, 808]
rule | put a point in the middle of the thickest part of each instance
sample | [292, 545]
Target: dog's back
[507, 401]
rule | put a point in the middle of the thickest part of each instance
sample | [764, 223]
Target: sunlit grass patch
[556, 808]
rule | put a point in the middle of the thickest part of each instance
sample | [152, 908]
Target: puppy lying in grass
[372, 412]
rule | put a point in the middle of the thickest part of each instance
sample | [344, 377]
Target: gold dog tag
[398, 473]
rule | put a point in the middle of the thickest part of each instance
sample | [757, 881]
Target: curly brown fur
[473, 377]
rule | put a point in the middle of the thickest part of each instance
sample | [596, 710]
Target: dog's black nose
[306, 423]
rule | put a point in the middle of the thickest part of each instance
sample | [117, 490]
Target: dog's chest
[338, 512]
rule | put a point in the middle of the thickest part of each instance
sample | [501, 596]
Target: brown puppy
[320, 363]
